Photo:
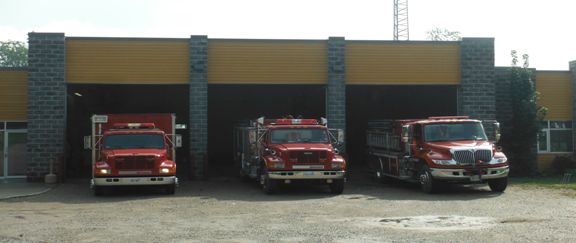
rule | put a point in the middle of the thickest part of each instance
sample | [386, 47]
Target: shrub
[564, 163]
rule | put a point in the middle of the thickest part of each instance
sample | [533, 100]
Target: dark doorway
[229, 103]
[368, 102]
[87, 99]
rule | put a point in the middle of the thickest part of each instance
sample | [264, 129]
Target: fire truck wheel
[498, 185]
[428, 184]
[270, 185]
[337, 186]
[170, 189]
[98, 191]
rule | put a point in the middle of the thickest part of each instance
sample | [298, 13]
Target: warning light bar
[295, 121]
[447, 117]
[134, 126]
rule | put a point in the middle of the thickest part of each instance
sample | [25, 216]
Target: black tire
[98, 191]
[498, 185]
[170, 189]
[270, 186]
[429, 185]
[337, 186]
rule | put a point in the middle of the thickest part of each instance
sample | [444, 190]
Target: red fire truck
[285, 151]
[133, 150]
[437, 150]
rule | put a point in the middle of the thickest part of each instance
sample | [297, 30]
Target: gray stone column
[46, 103]
[503, 100]
[573, 72]
[336, 88]
[476, 96]
[199, 107]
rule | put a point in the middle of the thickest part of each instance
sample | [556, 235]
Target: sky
[545, 30]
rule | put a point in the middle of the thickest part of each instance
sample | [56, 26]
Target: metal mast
[401, 20]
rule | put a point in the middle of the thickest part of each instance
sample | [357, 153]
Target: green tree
[438, 34]
[13, 54]
[527, 119]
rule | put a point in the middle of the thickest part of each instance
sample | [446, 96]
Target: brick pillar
[199, 106]
[503, 100]
[46, 103]
[336, 88]
[476, 96]
[572, 65]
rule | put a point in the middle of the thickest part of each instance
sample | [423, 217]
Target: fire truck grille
[308, 156]
[136, 162]
[469, 157]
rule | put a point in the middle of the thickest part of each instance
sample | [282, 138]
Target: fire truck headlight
[498, 160]
[337, 165]
[444, 162]
[277, 165]
[166, 170]
[105, 171]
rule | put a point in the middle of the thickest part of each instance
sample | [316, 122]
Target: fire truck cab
[286, 151]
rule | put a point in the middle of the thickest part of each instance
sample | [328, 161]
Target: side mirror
[340, 136]
[497, 131]
[88, 142]
[253, 134]
[178, 140]
[406, 133]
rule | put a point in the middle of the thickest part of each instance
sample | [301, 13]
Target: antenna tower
[401, 20]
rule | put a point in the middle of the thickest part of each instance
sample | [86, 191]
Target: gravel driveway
[226, 210]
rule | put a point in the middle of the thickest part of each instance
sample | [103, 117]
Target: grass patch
[548, 182]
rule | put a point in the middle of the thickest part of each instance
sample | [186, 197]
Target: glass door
[15, 149]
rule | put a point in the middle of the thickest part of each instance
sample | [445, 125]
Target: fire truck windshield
[132, 141]
[437, 132]
[299, 135]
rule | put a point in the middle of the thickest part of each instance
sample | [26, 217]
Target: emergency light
[295, 121]
[447, 117]
[134, 126]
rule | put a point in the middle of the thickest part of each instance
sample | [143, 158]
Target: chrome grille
[307, 156]
[135, 162]
[469, 157]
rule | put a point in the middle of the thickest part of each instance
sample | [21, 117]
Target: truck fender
[421, 162]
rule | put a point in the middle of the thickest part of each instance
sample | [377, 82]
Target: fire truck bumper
[454, 174]
[134, 181]
[294, 175]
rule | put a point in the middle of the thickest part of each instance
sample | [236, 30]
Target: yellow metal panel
[122, 62]
[545, 161]
[390, 63]
[267, 62]
[555, 94]
[13, 95]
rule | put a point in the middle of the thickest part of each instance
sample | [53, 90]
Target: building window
[556, 137]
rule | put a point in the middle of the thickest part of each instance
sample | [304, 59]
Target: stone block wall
[199, 107]
[336, 87]
[476, 96]
[46, 103]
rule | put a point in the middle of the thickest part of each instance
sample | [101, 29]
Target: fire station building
[210, 84]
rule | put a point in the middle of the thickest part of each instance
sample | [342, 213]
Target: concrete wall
[46, 102]
[198, 107]
[476, 97]
[336, 88]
